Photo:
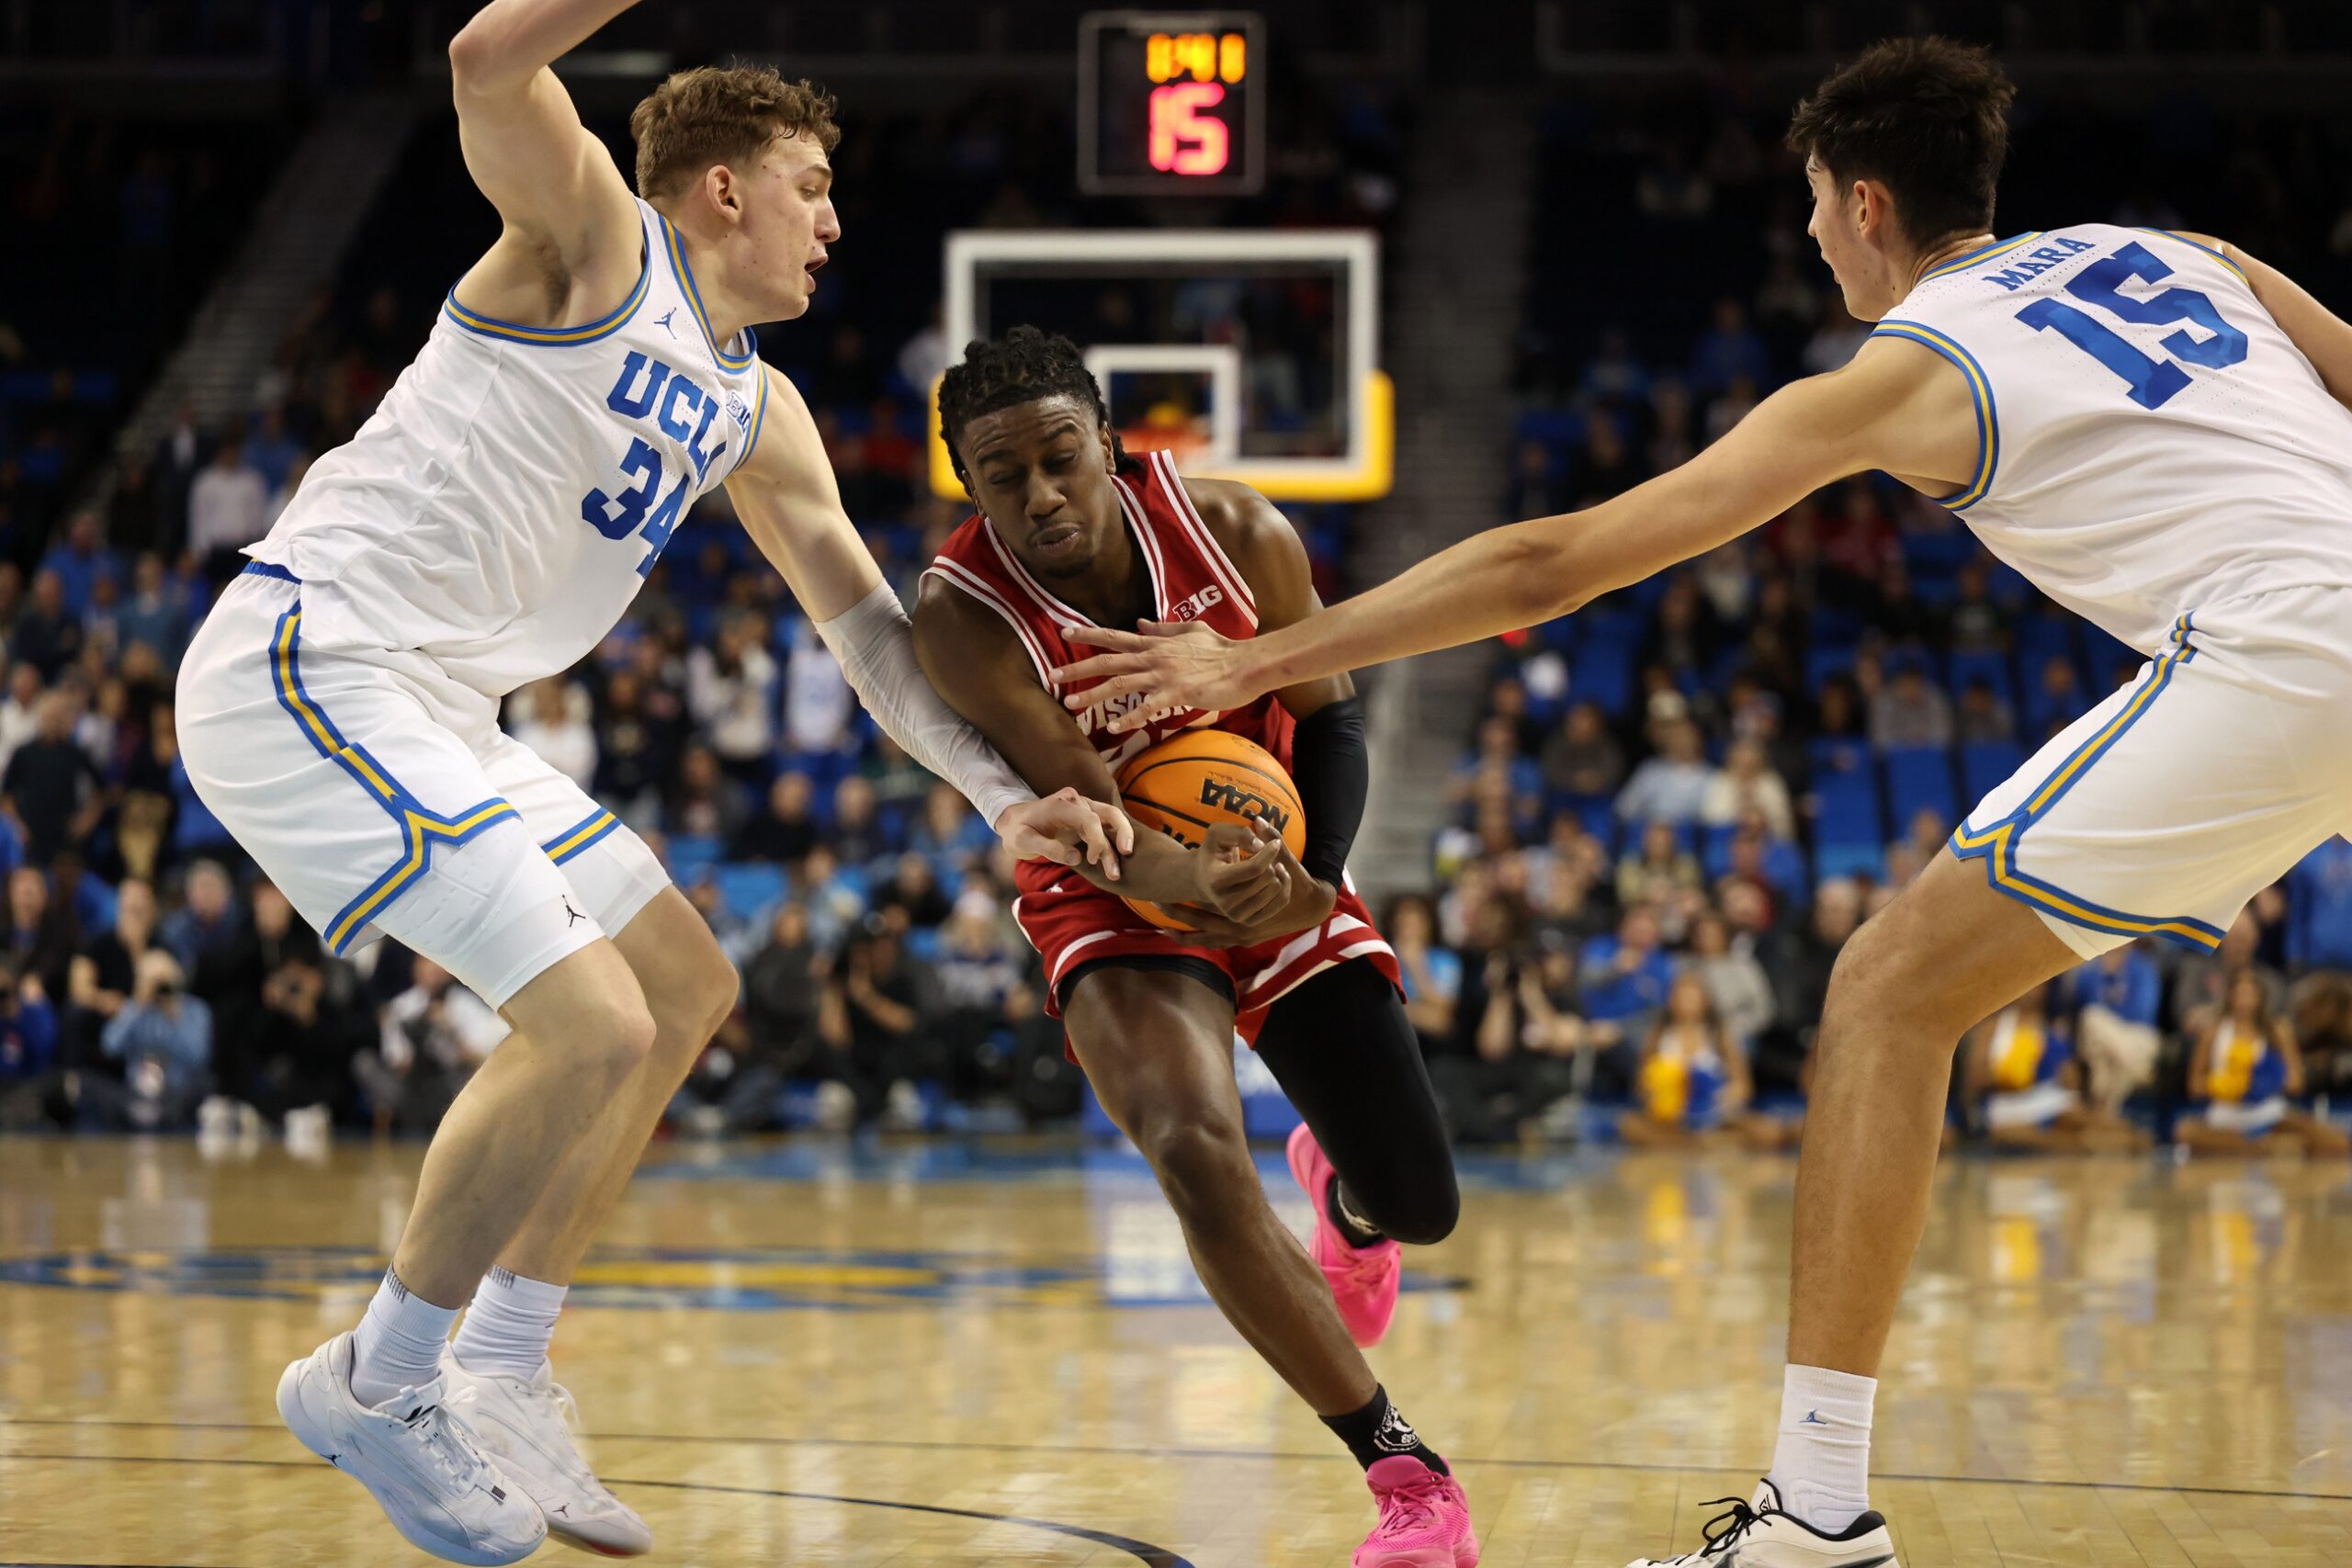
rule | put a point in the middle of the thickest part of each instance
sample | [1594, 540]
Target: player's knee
[1886, 974]
[698, 995]
[1202, 1163]
[1878, 973]
[618, 1040]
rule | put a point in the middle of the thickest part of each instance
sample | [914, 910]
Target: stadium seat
[690, 855]
[1849, 860]
[1603, 674]
[749, 887]
[1629, 837]
[2041, 639]
[1920, 778]
[1837, 754]
[1993, 669]
[1849, 810]
[2102, 655]
[1825, 661]
[1986, 763]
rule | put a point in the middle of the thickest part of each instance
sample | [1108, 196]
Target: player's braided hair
[1022, 366]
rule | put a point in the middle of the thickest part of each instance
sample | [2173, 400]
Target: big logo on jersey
[681, 409]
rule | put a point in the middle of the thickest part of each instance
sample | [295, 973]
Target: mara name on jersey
[2150, 442]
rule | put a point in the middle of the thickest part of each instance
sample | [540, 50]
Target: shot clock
[1168, 103]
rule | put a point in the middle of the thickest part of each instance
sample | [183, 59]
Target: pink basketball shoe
[1424, 1520]
[1363, 1280]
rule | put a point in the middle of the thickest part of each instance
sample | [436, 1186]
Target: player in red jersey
[1071, 533]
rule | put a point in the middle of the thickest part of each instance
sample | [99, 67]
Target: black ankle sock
[1352, 1231]
[1379, 1431]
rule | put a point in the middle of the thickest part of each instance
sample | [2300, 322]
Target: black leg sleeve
[1346, 1055]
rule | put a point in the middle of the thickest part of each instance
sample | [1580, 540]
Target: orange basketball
[1191, 781]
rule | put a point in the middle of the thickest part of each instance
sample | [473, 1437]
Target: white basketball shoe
[531, 1428]
[1757, 1534]
[426, 1470]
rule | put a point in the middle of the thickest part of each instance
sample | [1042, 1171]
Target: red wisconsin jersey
[1191, 579]
[1069, 919]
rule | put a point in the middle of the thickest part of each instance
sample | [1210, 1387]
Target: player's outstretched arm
[972, 658]
[1889, 408]
[784, 494]
[551, 180]
[1331, 763]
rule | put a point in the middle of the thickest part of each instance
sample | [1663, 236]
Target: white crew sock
[1821, 1464]
[508, 1329]
[398, 1344]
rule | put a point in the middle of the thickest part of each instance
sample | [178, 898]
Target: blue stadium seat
[1849, 860]
[1920, 778]
[1603, 674]
[1611, 620]
[689, 854]
[824, 771]
[1629, 837]
[1786, 869]
[1986, 763]
[2005, 584]
[1938, 553]
[747, 888]
[1825, 659]
[1837, 754]
[1850, 812]
[1715, 856]
[2038, 712]
[2040, 639]
[1931, 588]
[1784, 863]
[1833, 625]
[1993, 669]
[2101, 655]
[1555, 427]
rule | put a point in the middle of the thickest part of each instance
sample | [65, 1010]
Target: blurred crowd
[1673, 812]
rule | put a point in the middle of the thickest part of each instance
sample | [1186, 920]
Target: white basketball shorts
[381, 797]
[2167, 808]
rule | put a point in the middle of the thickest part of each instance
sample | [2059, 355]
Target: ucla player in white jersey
[587, 380]
[2153, 428]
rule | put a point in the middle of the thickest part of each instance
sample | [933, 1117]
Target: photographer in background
[163, 1038]
[735, 1088]
[434, 1034]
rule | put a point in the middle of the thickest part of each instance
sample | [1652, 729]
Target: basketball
[1189, 783]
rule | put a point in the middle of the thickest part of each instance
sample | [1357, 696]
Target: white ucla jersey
[2150, 441]
[503, 505]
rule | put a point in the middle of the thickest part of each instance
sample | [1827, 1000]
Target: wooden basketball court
[937, 1355]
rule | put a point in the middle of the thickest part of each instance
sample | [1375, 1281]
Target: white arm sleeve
[874, 642]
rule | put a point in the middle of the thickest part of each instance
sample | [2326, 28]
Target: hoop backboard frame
[1364, 471]
[1219, 362]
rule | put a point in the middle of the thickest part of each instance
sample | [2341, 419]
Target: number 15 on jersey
[2150, 381]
